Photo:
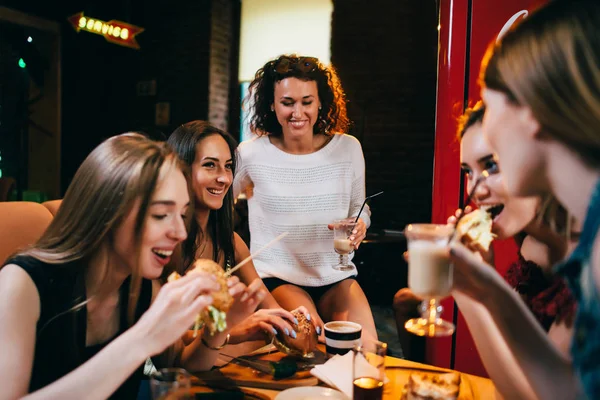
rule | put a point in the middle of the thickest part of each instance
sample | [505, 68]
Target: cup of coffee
[341, 336]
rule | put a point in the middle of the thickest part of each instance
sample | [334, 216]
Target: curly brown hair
[332, 115]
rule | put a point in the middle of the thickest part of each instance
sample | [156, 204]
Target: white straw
[247, 259]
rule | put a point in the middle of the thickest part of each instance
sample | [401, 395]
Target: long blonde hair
[117, 173]
[550, 62]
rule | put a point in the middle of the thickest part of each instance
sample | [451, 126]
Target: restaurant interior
[74, 73]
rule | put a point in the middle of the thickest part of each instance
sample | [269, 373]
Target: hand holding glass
[342, 230]
[429, 276]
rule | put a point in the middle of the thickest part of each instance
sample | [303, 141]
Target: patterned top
[301, 195]
[578, 271]
[548, 297]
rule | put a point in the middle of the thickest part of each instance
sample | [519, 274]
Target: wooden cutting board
[234, 374]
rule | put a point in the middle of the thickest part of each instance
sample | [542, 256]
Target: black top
[60, 336]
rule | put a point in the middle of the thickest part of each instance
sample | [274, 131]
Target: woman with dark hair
[541, 88]
[87, 293]
[210, 153]
[300, 174]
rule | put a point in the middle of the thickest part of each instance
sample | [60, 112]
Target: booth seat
[21, 224]
[52, 206]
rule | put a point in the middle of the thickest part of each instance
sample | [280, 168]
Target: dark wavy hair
[332, 115]
[184, 141]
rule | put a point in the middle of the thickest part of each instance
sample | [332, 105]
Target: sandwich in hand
[305, 342]
[215, 315]
[476, 228]
[432, 386]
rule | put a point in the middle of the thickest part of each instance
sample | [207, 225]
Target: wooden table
[397, 371]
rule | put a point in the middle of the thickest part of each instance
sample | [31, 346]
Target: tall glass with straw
[342, 231]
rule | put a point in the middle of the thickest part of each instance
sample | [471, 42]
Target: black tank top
[60, 336]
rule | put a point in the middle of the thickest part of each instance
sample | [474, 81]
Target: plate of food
[310, 393]
[438, 386]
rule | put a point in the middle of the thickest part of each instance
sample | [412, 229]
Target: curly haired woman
[300, 173]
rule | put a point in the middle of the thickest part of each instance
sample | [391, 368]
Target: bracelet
[225, 343]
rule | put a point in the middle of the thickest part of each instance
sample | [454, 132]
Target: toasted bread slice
[433, 386]
[476, 227]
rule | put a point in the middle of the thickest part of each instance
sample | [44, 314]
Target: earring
[320, 108]
[272, 108]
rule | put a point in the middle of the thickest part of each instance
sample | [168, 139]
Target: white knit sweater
[300, 194]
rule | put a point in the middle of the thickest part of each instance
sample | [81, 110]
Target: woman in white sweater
[300, 173]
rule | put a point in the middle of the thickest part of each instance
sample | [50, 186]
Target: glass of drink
[342, 230]
[368, 370]
[171, 384]
[429, 276]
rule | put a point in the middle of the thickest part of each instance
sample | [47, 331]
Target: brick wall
[175, 52]
[385, 53]
[221, 32]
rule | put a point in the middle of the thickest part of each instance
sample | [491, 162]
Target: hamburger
[305, 342]
[476, 228]
[215, 315]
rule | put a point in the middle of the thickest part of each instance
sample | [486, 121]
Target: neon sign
[117, 32]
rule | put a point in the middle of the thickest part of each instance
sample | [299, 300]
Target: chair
[52, 206]
[22, 223]
[7, 185]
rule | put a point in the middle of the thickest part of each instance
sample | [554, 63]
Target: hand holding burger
[213, 316]
[305, 342]
[475, 229]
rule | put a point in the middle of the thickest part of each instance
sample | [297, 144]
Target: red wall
[466, 29]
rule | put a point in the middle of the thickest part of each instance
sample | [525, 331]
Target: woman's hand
[267, 322]
[174, 310]
[245, 299]
[262, 324]
[472, 276]
[358, 233]
[315, 320]
[453, 218]
[486, 255]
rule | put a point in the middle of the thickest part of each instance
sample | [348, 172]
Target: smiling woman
[304, 172]
[210, 152]
[81, 297]
[541, 88]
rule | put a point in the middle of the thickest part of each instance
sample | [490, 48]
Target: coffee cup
[341, 336]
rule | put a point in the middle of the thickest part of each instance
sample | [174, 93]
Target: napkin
[337, 371]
